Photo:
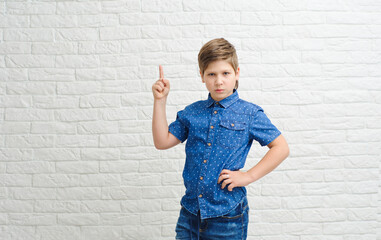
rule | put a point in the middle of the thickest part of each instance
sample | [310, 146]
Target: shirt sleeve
[261, 128]
[179, 128]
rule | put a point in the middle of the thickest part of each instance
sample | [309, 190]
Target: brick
[126, 113]
[13, 21]
[100, 206]
[98, 232]
[141, 45]
[158, 166]
[201, 6]
[28, 35]
[100, 154]
[77, 167]
[74, 115]
[76, 61]
[32, 219]
[220, 18]
[104, 47]
[119, 166]
[118, 60]
[160, 32]
[119, 33]
[15, 101]
[261, 18]
[161, 6]
[50, 74]
[78, 193]
[56, 180]
[121, 6]
[267, 44]
[100, 101]
[180, 19]
[78, 8]
[16, 206]
[104, 180]
[97, 127]
[279, 216]
[78, 88]
[349, 227]
[122, 193]
[58, 232]
[17, 180]
[30, 167]
[35, 88]
[54, 49]
[134, 19]
[29, 61]
[78, 219]
[53, 127]
[281, 57]
[77, 34]
[303, 18]
[15, 154]
[77, 141]
[53, 21]
[14, 48]
[19, 8]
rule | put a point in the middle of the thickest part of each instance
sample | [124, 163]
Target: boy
[220, 131]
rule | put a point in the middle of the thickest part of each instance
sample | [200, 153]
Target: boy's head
[219, 69]
[218, 49]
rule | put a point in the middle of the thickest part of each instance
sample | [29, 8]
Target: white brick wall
[76, 154]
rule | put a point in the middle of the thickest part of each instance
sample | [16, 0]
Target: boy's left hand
[234, 179]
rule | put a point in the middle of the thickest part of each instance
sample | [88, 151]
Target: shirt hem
[214, 216]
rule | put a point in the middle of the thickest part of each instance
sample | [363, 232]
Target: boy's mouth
[219, 90]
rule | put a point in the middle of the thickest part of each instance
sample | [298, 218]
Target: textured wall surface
[77, 159]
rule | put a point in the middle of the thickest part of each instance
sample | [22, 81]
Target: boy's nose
[218, 80]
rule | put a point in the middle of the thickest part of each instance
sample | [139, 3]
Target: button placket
[204, 165]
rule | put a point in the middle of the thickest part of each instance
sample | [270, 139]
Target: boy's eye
[211, 74]
[226, 73]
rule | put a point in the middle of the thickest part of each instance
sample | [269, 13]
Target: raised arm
[161, 137]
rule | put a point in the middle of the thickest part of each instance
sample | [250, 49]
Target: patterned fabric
[219, 136]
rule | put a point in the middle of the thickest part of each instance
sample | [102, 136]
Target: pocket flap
[233, 125]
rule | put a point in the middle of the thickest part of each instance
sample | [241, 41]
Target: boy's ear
[202, 77]
[237, 73]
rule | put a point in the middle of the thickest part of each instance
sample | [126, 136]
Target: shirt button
[201, 178]
[204, 161]
[209, 144]
[200, 195]
[211, 127]
[215, 112]
[232, 124]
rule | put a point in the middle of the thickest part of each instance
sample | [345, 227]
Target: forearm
[269, 162]
[159, 123]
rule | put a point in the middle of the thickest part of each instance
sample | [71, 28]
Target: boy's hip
[233, 225]
[213, 203]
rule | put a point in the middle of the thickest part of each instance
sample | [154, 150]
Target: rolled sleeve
[179, 128]
[262, 130]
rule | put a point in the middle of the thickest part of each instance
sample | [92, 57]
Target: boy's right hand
[160, 88]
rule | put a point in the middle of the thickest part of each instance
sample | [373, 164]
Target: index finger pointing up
[161, 72]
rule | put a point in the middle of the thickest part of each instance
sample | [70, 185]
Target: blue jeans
[232, 225]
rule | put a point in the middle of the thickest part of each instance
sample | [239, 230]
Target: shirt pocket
[231, 133]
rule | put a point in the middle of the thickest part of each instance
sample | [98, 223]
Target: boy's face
[220, 78]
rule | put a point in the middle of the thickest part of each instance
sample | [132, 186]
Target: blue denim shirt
[219, 135]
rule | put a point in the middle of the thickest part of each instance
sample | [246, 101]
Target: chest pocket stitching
[233, 135]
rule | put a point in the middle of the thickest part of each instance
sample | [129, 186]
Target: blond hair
[217, 49]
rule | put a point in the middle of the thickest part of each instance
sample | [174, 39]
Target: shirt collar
[226, 102]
